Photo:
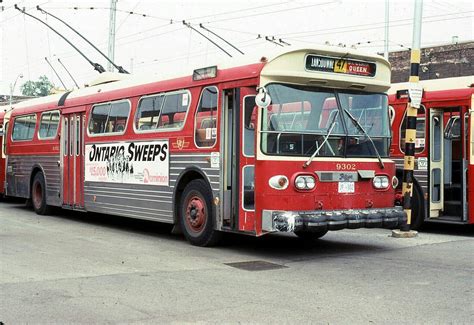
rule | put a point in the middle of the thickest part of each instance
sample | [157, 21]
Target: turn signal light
[395, 182]
[278, 182]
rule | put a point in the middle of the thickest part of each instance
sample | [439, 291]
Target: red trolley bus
[197, 152]
[444, 147]
[2, 153]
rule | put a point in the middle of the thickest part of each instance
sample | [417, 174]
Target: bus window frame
[57, 128]
[108, 134]
[402, 150]
[4, 138]
[218, 93]
[158, 129]
[34, 130]
[247, 128]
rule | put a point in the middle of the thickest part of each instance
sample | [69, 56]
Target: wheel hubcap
[37, 195]
[196, 214]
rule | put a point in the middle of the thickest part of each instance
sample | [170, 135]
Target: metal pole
[412, 112]
[111, 53]
[387, 18]
[12, 88]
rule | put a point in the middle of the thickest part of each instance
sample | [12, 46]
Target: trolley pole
[415, 93]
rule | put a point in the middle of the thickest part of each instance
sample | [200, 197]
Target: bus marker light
[394, 182]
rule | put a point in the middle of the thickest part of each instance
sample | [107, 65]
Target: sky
[151, 38]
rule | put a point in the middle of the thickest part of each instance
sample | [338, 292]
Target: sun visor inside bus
[62, 100]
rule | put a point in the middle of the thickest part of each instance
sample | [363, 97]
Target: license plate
[346, 187]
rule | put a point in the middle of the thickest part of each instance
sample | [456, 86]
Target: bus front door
[436, 193]
[470, 169]
[72, 148]
[238, 150]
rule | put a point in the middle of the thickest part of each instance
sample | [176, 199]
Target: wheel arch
[187, 175]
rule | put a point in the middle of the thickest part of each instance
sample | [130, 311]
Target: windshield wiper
[361, 129]
[326, 137]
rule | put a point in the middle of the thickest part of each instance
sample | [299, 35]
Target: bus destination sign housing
[339, 65]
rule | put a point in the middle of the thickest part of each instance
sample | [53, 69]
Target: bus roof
[437, 84]
[248, 66]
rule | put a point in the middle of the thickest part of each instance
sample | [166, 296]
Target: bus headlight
[278, 182]
[381, 182]
[305, 182]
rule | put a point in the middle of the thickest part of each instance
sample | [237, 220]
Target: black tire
[38, 195]
[310, 236]
[196, 217]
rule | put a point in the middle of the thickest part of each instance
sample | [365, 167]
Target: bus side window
[24, 127]
[205, 121]
[48, 125]
[109, 118]
[420, 131]
[174, 110]
[148, 113]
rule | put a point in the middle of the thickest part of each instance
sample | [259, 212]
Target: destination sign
[336, 65]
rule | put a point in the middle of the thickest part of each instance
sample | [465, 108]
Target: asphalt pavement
[72, 267]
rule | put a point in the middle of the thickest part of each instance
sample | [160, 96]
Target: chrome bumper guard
[320, 220]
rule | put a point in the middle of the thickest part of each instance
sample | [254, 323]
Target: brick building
[444, 61]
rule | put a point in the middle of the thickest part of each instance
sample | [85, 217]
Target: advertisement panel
[144, 163]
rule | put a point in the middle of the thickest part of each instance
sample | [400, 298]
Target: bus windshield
[333, 123]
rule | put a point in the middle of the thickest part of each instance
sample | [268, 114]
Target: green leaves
[39, 88]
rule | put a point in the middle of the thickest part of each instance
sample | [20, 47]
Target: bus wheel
[308, 235]
[196, 218]
[38, 195]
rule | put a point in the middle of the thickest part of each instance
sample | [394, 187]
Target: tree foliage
[42, 87]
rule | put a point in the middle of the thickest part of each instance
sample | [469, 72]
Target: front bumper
[321, 220]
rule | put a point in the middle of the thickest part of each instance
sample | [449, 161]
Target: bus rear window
[109, 118]
[48, 125]
[24, 127]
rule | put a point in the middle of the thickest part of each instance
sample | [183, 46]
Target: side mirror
[262, 99]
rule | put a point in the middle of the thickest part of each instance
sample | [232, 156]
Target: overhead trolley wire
[369, 28]
[238, 10]
[373, 24]
[130, 12]
[271, 12]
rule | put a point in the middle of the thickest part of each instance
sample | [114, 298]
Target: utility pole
[415, 93]
[387, 18]
[111, 52]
